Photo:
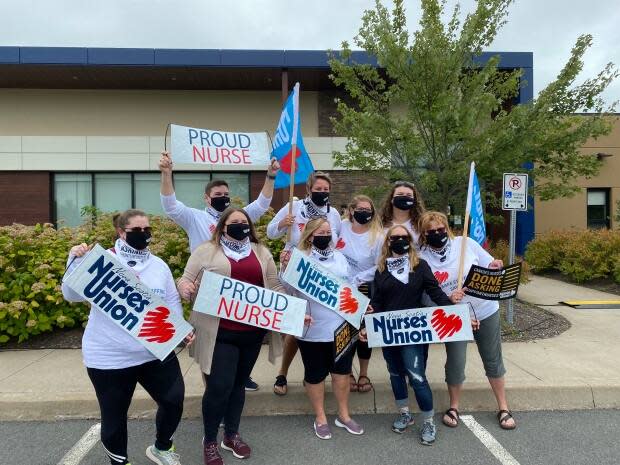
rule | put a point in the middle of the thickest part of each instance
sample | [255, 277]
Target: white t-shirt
[447, 272]
[107, 346]
[325, 320]
[200, 224]
[361, 254]
[301, 219]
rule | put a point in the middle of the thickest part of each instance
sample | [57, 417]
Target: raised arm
[177, 211]
[260, 206]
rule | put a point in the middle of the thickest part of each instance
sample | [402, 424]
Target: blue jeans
[409, 362]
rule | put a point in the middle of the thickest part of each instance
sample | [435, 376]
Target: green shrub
[580, 255]
[33, 261]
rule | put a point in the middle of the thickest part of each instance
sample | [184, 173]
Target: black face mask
[139, 240]
[220, 203]
[437, 240]
[319, 198]
[321, 242]
[403, 202]
[238, 231]
[399, 246]
[362, 217]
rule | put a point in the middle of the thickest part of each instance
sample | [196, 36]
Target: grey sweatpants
[489, 341]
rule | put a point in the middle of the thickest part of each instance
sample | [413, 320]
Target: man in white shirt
[200, 224]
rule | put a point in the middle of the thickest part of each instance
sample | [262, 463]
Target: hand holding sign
[165, 162]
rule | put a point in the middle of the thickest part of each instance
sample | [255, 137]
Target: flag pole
[291, 192]
[466, 225]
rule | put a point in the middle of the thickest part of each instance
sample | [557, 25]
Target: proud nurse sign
[207, 147]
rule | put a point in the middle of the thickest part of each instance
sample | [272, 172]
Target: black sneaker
[250, 385]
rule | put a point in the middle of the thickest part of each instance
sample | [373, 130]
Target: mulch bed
[531, 323]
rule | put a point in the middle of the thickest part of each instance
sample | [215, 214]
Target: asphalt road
[568, 437]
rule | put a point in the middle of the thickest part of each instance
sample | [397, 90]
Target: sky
[548, 28]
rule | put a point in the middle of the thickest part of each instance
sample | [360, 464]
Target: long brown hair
[221, 225]
[429, 217]
[375, 227]
[386, 252]
[387, 212]
[309, 230]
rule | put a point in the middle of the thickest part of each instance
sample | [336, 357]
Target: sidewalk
[578, 369]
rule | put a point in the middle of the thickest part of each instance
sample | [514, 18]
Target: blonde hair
[386, 252]
[426, 219]
[387, 212]
[318, 175]
[375, 227]
[309, 230]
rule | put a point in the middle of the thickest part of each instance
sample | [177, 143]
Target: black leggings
[234, 357]
[115, 388]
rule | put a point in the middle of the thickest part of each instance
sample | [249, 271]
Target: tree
[431, 106]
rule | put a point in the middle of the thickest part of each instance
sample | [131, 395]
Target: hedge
[33, 260]
[579, 255]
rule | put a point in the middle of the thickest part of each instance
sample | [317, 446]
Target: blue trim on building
[201, 57]
[526, 220]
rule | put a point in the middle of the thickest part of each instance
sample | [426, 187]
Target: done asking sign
[321, 285]
[253, 305]
[419, 326]
[116, 291]
[208, 147]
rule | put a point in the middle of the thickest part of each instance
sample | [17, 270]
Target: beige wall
[571, 212]
[143, 112]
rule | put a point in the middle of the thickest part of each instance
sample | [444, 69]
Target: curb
[476, 397]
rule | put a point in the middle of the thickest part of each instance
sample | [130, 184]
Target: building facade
[85, 126]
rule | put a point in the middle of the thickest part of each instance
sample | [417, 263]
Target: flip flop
[353, 387]
[282, 383]
[364, 387]
[502, 419]
[454, 415]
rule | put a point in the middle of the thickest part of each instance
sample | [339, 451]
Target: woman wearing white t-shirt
[315, 205]
[317, 342]
[116, 362]
[403, 206]
[442, 251]
[360, 241]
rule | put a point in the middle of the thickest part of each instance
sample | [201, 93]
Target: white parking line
[489, 441]
[82, 447]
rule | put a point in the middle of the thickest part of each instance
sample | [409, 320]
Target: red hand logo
[441, 276]
[340, 244]
[212, 228]
[445, 325]
[348, 303]
[155, 328]
[301, 226]
[285, 161]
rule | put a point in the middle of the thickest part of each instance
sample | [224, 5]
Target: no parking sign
[515, 192]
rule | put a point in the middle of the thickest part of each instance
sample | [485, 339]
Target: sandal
[502, 419]
[280, 387]
[353, 387]
[364, 387]
[452, 414]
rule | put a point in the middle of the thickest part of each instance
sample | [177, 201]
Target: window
[113, 191]
[598, 208]
[72, 192]
[119, 191]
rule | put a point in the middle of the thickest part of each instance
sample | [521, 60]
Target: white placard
[515, 192]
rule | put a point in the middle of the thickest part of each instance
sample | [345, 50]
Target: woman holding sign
[317, 345]
[116, 362]
[360, 241]
[403, 206]
[315, 205]
[441, 250]
[227, 350]
[400, 281]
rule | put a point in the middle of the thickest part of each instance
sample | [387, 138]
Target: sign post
[514, 199]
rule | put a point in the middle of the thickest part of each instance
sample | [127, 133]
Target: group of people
[401, 257]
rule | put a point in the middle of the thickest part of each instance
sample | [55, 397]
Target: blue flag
[289, 130]
[477, 228]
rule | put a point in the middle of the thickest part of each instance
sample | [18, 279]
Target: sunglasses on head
[137, 229]
[408, 184]
[430, 232]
